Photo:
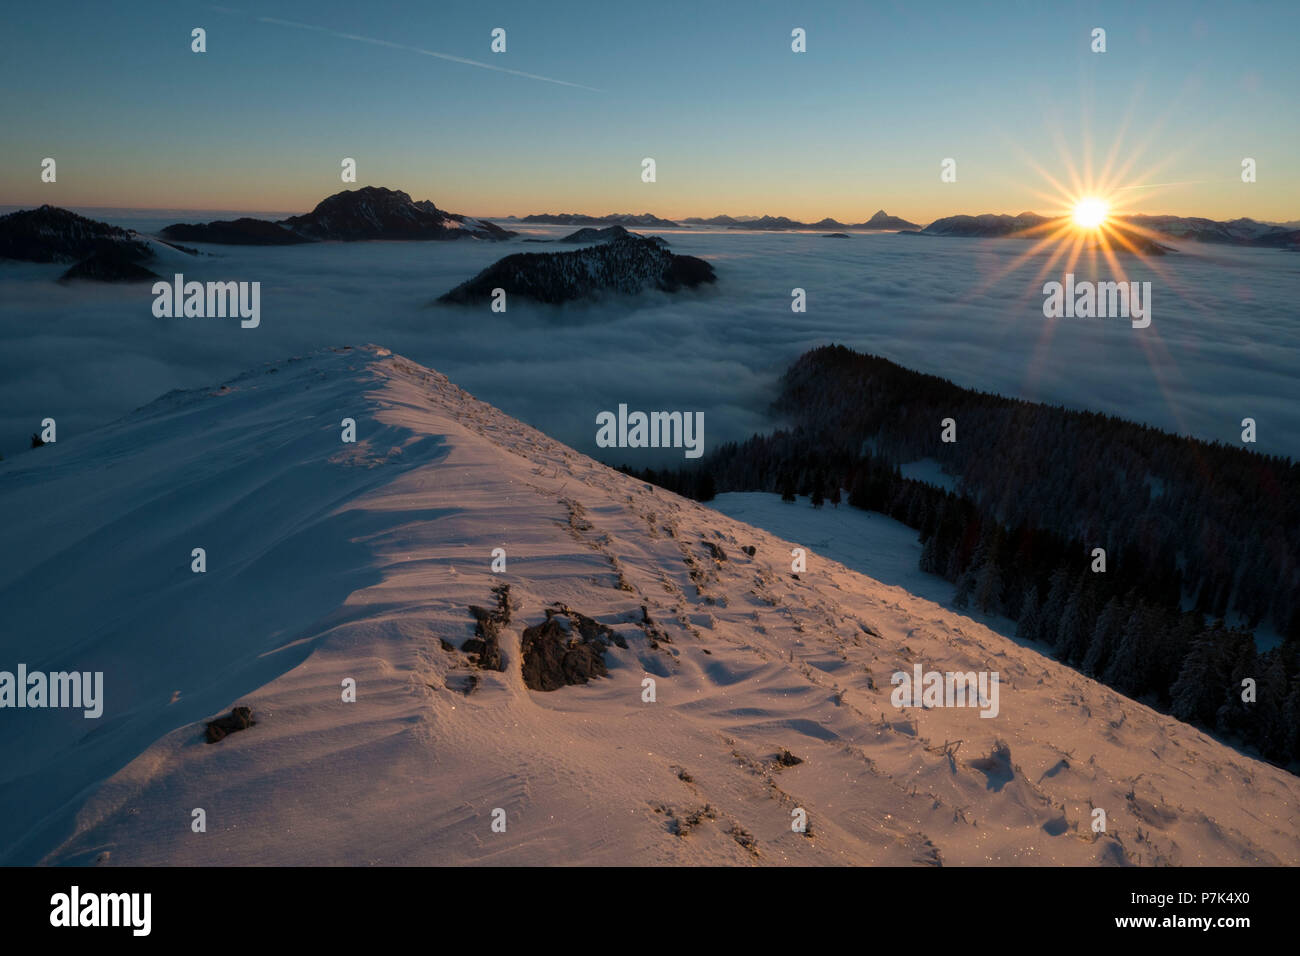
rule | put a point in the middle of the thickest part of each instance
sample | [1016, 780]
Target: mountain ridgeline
[353, 215]
[100, 252]
[1195, 534]
[643, 220]
[881, 221]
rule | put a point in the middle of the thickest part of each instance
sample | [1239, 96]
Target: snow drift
[730, 693]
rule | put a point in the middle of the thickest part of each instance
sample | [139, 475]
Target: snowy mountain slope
[329, 561]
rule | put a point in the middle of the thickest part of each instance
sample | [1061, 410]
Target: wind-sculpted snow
[734, 693]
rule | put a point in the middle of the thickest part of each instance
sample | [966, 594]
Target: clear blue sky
[736, 122]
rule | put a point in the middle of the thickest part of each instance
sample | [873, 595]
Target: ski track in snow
[328, 561]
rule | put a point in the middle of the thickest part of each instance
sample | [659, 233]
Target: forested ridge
[1196, 534]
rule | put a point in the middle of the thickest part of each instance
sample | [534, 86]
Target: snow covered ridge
[698, 701]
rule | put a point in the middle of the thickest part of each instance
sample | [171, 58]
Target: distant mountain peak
[350, 215]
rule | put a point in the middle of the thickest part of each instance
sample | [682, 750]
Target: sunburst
[1090, 212]
[1088, 228]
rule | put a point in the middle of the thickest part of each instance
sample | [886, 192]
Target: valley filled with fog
[1222, 346]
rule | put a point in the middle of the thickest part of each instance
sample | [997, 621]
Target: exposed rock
[241, 718]
[485, 645]
[567, 648]
[744, 838]
[786, 759]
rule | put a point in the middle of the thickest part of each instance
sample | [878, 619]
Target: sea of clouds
[1224, 343]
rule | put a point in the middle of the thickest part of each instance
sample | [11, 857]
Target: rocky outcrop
[624, 265]
[241, 718]
[485, 645]
[567, 648]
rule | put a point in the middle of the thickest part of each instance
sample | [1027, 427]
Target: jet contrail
[416, 49]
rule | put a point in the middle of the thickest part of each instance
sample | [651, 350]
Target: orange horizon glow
[1062, 209]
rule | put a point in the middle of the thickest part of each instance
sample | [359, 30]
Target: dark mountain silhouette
[236, 232]
[353, 215]
[109, 265]
[374, 212]
[1141, 233]
[986, 225]
[883, 220]
[1239, 232]
[591, 234]
[100, 252]
[880, 221]
[626, 265]
[615, 219]
[51, 234]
